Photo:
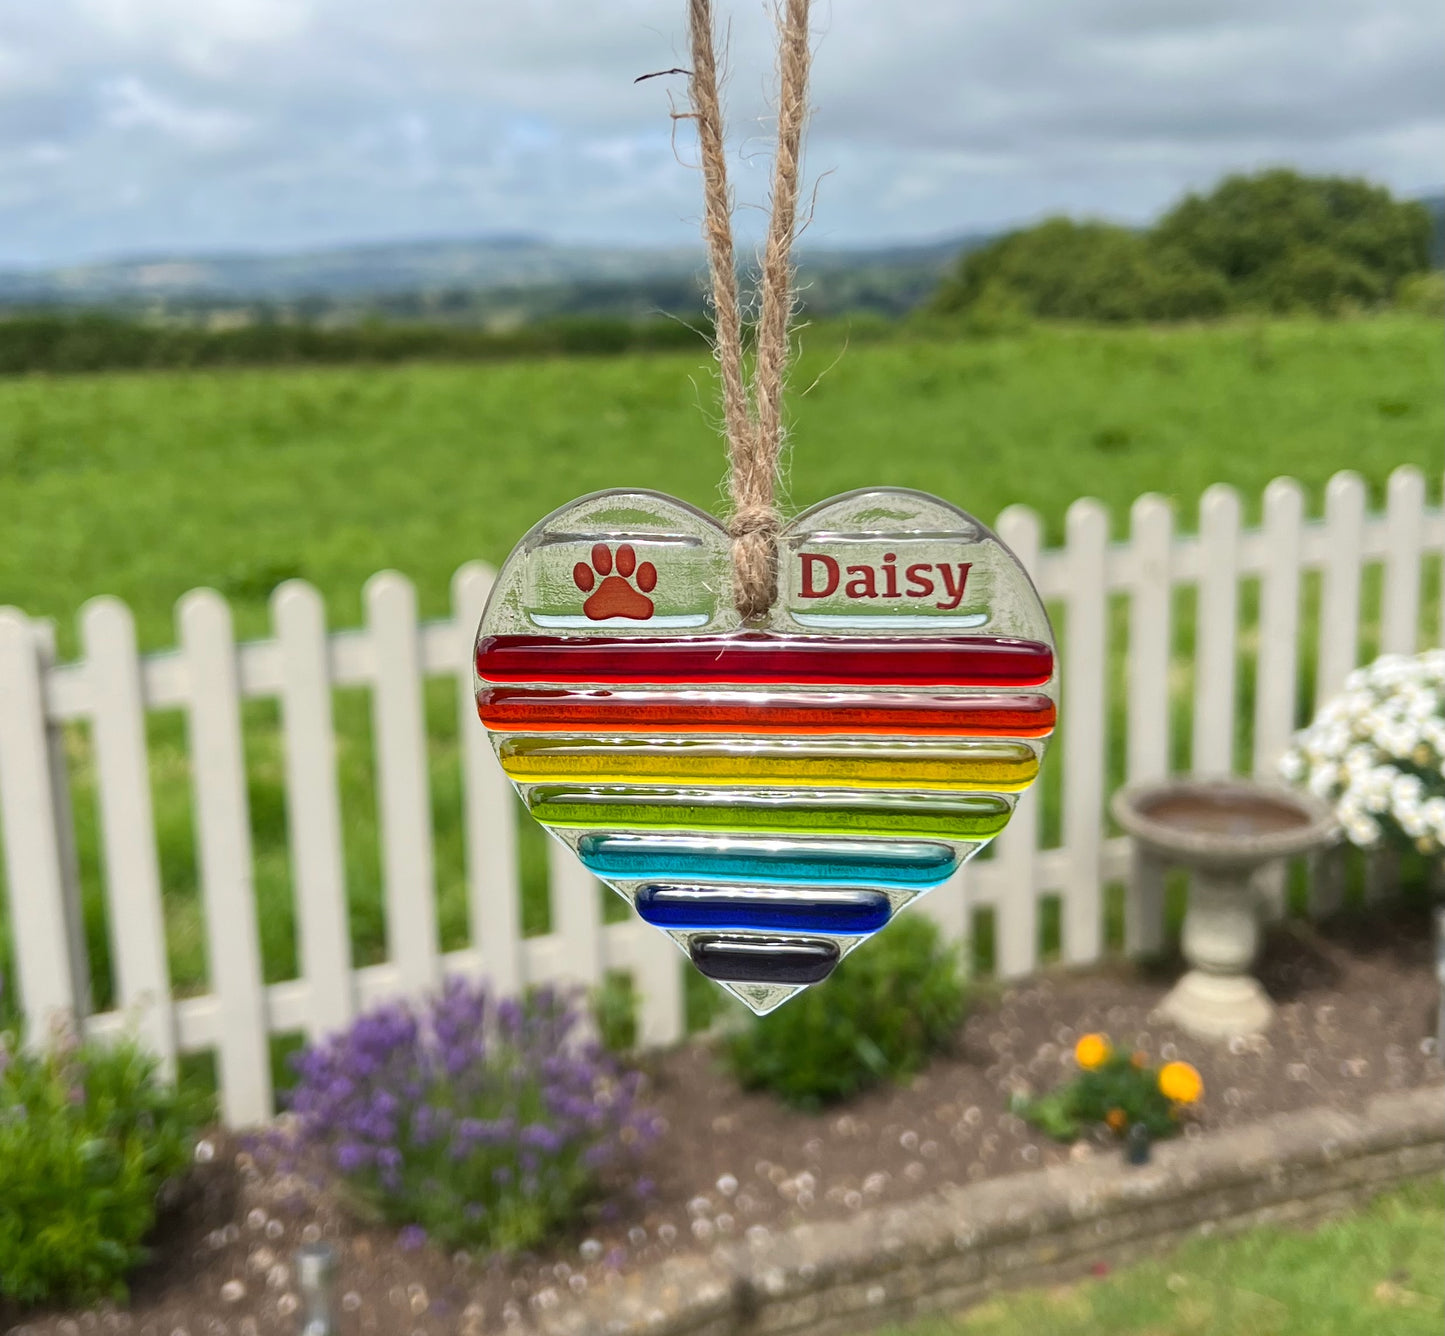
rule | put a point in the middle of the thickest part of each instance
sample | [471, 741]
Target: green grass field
[146, 485]
[1376, 1273]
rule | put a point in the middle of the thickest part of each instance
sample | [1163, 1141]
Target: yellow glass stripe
[1001, 768]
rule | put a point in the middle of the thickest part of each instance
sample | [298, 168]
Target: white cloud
[179, 23]
[128, 104]
[132, 125]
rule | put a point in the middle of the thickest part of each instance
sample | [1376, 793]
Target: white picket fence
[209, 675]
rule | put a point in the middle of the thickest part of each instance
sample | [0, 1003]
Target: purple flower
[411, 1238]
[463, 1106]
[350, 1157]
[424, 1128]
[540, 1137]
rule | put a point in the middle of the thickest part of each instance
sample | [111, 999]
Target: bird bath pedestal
[1223, 831]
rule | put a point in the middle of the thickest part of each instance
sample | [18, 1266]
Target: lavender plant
[486, 1123]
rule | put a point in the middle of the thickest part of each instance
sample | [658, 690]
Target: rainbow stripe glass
[768, 796]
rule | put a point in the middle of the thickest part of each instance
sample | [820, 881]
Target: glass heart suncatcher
[769, 795]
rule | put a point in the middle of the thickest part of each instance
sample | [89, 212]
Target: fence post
[1277, 666]
[403, 786]
[1440, 611]
[1340, 589]
[576, 914]
[1276, 673]
[127, 823]
[489, 813]
[947, 907]
[228, 879]
[1150, 628]
[313, 806]
[1339, 620]
[74, 902]
[1215, 625]
[1086, 650]
[50, 960]
[1016, 913]
[662, 1018]
[1404, 539]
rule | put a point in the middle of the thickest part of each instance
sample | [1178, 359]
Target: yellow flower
[1117, 1119]
[1091, 1051]
[1181, 1083]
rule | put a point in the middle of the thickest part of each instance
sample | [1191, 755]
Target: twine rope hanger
[752, 415]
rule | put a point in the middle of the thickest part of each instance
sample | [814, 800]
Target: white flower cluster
[1378, 752]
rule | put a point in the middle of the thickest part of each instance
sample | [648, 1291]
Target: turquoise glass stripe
[915, 865]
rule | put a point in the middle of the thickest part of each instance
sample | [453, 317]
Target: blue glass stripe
[916, 866]
[715, 909]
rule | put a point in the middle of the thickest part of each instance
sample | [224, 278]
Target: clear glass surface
[768, 795]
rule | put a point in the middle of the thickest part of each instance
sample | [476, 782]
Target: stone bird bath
[1223, 831]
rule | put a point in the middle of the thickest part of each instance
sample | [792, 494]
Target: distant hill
[346, 271]
[350, 272]
[497, 280]
[490, 278]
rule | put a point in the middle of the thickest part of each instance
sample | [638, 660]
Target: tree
[1066, 270]
[1283, 241]
[1275, 241]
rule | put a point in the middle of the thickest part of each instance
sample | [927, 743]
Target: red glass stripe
[944, 661]
[540, 711]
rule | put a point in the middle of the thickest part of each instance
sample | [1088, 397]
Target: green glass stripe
[979, 817]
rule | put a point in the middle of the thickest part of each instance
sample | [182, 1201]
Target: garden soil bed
[1357, 1005]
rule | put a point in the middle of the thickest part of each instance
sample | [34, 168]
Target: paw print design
[616, 596]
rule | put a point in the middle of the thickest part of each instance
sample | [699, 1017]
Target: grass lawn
[1377, 1273]
[146, 485]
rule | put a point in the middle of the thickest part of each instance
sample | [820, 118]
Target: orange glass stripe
[1014, 716]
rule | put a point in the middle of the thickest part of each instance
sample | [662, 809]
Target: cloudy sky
[150, 126]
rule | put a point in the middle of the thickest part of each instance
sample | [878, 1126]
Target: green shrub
[1423, 293]
[614, 1011]
[75, 342]
[889, 1006]
[88, 1135]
